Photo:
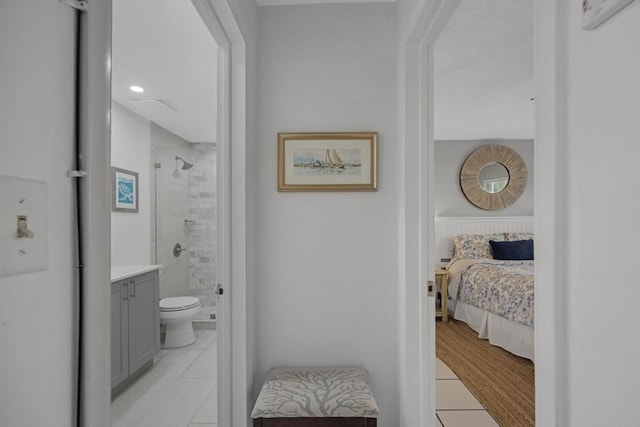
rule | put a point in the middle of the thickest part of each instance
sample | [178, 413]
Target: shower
[185, 166]
[185, 214]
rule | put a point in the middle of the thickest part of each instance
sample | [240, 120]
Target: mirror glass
[493, 177]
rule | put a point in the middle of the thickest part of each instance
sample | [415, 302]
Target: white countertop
[120, 272]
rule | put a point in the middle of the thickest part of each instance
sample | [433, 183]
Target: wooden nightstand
[442, 280]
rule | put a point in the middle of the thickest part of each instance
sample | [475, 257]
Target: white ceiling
[483, 67]
[484, 72]
[165, 47]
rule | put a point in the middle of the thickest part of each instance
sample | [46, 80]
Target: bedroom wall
[449, 199]
[326, 264]
[600, 161]
[131, 150]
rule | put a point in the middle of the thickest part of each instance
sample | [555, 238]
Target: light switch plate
[23, 197]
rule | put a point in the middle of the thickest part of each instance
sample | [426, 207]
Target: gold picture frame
[595, 12]
[329, 161]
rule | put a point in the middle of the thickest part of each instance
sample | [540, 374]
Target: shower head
[185, 165]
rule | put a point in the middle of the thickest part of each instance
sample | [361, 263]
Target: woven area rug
[502, 382]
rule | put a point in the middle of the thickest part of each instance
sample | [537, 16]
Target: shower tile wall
[202, 211]
[189, 196]
[171, 202]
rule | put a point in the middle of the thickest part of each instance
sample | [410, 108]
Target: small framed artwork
[333, 161]
[595, 12]
[124, 190]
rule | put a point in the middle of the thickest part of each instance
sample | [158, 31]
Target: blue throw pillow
[515, 250]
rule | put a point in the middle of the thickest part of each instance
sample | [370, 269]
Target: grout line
[215, 385]
[472, 394]
[464, 410]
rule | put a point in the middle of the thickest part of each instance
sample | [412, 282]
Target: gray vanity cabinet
[135, 327]
[119, 332]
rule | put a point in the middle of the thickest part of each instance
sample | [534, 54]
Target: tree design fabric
[323, 392]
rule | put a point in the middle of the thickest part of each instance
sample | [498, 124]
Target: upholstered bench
[318, 397]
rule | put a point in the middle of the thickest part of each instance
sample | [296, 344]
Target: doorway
[95, 97]
[483, 95]
[165, 126]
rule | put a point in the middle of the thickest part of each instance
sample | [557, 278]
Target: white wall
[37, 335]
[326, 264]
[131, 150]
[450, 201]
[603, 227]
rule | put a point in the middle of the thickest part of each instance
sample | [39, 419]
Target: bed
[491, 288]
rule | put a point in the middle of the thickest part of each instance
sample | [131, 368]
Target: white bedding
[514, 337]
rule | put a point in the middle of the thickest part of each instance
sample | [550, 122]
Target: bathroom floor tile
[452, 394]
[208, 412]
[469, 418]
[178, 404]
[129, 407]
[163, 352]
[443, 372]
[204, 338]
[167, 371]
[206, 365]
[179, 390]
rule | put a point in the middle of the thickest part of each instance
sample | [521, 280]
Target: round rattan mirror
[489, 191]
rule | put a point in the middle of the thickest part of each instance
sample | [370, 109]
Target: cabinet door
[144, 319]
[119, 333]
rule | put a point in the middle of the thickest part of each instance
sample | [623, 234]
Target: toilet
[176, 314]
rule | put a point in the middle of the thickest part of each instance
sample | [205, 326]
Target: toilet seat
[178, 303]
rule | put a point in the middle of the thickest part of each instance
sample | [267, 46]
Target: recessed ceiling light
[136, 89]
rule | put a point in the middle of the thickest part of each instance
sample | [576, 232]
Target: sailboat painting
[330, 161]
[595, 12]
[327, 161]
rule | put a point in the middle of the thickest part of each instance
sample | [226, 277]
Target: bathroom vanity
[135, 322]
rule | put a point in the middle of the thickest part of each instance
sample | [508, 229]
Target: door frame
[95, 101]
[95, 208]
[416, 130]
[231, 141]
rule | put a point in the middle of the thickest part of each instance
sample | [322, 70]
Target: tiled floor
[455, 405]
[179, 390]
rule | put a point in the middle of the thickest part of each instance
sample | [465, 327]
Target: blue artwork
[126, 191]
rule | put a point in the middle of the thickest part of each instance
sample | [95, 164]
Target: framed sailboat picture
[333, 161]
[595, 12]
